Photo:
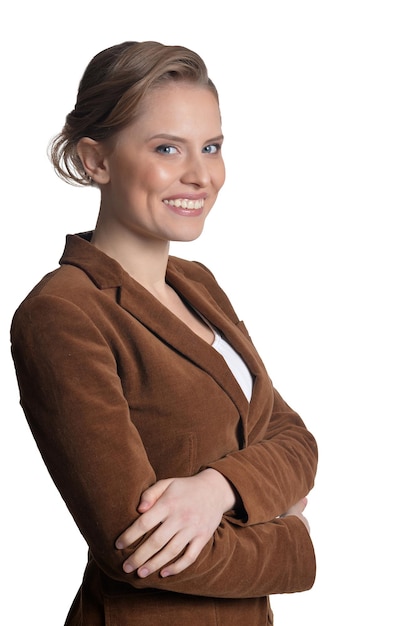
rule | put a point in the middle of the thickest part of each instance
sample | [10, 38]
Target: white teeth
[186, 204]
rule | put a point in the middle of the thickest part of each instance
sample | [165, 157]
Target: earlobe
[92, 156]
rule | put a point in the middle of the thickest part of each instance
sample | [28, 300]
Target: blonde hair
[112, 86]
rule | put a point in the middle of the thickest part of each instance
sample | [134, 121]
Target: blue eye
[212, 148]
[166, 149]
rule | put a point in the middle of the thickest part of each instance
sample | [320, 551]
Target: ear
[93, 157]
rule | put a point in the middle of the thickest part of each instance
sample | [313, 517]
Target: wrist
[224, 489]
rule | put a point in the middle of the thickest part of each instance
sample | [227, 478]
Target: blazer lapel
[172, 331]
[108, 274]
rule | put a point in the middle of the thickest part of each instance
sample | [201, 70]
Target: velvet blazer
[119, 393]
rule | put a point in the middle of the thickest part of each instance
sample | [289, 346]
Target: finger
[188, 558]
[303, 503]
[171, 551]
[166, 538]
[156, 552]
[140, 527]
[298, 507]
[152, 494]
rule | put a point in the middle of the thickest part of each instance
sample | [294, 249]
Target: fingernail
[165, 573]
[128, 568]
[119, 545]
[143, 572]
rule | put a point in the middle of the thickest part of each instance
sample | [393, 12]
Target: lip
[184, 212]
[188, 196]
[173, 203]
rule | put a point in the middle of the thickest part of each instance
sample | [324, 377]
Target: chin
[192, 235]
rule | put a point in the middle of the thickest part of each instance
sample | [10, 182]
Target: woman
[183, 468]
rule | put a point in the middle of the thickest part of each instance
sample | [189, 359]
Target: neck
[142, 258]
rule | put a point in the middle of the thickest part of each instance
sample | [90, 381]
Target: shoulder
[63, 296]
[61, 282]
[200, 274]
[192, 269]
[196, 272]
[67, 283]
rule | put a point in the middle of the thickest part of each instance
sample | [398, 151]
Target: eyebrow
[169, 137]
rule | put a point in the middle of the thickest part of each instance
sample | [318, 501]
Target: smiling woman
[150, 188]
[184, 469]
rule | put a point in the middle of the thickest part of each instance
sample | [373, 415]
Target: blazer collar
[106, 273]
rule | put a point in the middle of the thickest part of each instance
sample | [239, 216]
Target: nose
[196, 171]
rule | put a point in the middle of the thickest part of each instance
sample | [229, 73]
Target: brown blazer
[119, 393]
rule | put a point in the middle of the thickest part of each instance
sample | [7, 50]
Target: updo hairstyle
[113, 84]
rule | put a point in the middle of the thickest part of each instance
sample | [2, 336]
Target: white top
[235, 362]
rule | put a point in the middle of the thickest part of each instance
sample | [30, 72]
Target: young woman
[182, 466]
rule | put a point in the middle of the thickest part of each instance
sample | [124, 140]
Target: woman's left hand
[184, 513]
[298, 510]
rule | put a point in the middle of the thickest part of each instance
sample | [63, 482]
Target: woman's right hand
[297, 509]
[183, 514]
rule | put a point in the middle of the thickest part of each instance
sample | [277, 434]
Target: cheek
[157, 177]
[220, 176]
[144, 177]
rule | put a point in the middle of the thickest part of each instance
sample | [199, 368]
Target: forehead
[177, 102]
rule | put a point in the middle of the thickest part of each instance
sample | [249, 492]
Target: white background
[313, 238]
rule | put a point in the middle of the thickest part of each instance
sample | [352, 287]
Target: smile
[183, 203]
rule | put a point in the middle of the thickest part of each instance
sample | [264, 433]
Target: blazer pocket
[153, 608]
[173, 454]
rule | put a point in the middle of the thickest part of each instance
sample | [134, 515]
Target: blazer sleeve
[283, 460]
[73, 399]
[281, 454]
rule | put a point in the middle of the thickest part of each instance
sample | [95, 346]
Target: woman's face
[165, 170]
